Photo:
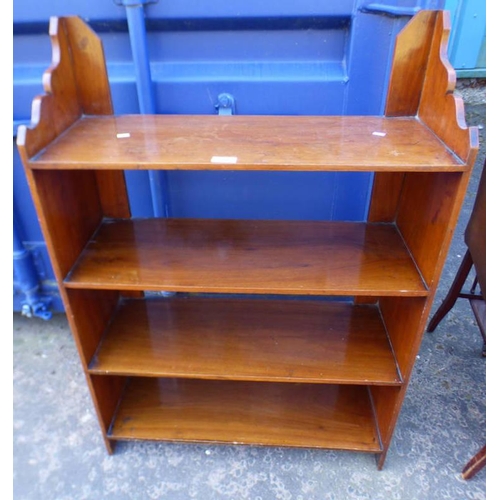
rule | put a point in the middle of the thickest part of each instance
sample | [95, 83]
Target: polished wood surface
[94, 94]
[421, 51]
[475, 232]
[248, 143]
[303, 415]
[70, 211]
[427, 215]
[89, 313]
[386, 403]
[235, 256]
[106, 393]
[247, 339]
[89, 68]
[70, 205]
[113, 193]
[59, 107]
[401, 315]
[411, 56]
[75, 154]
[92, 310]
[440, 109]
[424, 208]
[386, 193]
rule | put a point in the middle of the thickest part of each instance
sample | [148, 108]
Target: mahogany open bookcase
[243, 367]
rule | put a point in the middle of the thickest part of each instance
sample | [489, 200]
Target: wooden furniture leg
[475, 464]
[453, 293]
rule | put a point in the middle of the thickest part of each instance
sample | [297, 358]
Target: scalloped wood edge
[76, 83]
[422, 84]
[59, 107]
[421, 50]
[440, 109]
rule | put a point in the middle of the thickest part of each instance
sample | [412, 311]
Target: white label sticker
[379, 134]
[224, 159]
[125, 135]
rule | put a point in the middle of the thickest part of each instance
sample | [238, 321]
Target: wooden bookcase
[249, 369]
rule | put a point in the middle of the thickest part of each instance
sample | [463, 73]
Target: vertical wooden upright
[424, 207]
[71, 205]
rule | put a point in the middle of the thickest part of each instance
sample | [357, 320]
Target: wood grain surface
[411, 56]
[303, 415]
[241, 256]
[159, 364]
[440, 108]
[303, 143]
[248, 339]
[59, 107]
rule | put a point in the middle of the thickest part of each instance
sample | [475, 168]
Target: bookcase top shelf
[423, 127]
[301, 143]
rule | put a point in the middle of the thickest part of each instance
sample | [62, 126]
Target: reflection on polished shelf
[249, 368]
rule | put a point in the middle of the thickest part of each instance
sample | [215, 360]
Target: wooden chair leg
[453, 293]
[475, 464]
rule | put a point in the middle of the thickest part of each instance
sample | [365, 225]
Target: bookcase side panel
[404, 319]
[386, 193]
[386, 403]
[106, 391]
[439, 108]
[69, 210]
[91, 311]
[94, 94]
[426, 216]
[410, 57]
[428, 211]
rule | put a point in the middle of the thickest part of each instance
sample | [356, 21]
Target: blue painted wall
[299, 57]
[467, 45]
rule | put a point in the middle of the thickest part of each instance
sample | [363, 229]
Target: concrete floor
[59, 453]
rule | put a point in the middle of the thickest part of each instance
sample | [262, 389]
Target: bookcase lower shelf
[248, 339]
[281, 414]
[247, 371]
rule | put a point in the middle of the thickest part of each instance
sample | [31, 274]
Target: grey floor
[59, 453]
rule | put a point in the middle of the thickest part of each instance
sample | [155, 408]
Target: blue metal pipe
[140, 53]
[27, 280]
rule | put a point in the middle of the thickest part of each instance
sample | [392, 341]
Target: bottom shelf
[275, 414]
